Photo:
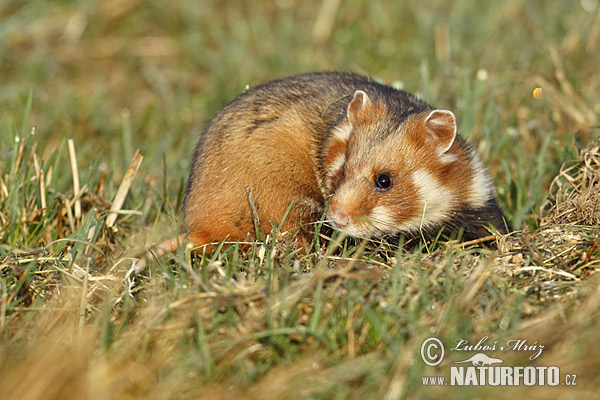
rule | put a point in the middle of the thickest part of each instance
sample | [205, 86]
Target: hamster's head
[388, 175]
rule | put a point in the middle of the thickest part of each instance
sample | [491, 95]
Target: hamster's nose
[340, 219]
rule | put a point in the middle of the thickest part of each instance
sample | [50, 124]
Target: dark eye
[383, 182]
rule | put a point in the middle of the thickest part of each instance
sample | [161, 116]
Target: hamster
[381, 161]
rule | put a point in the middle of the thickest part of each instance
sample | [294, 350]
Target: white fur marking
[381, 219]
[364, 96]
[447, 158]
[342, 131]
[433, 193]
[481, 185]
[436, 201]
[335, 166]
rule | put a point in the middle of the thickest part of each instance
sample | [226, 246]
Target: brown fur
[244, 162]
[362, 111]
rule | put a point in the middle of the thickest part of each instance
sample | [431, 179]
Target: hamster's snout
[340, 219]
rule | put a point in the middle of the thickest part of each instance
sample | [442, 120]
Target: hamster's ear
[441, 127]
[361, 109]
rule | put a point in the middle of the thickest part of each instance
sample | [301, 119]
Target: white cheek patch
[381, 220]
[436, 197]
[436, 202]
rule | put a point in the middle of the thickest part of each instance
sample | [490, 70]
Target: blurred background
[117, 75]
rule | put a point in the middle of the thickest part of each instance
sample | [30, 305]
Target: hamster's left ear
[359, 107]
[441, 127]
[363, 110]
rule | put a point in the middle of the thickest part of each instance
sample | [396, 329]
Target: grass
[78, 318]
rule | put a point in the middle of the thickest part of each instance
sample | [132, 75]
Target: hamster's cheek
[381, 220]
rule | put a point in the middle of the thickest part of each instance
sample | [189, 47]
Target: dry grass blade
[75, 171]
[124, 187]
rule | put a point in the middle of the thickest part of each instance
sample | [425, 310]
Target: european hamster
[383, 161]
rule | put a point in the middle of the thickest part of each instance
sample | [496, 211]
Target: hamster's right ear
[362, 110]
[441, 128]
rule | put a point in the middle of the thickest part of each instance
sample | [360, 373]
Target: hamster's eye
[383, 182]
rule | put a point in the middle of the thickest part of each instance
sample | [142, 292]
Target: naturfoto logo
[481, 369]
